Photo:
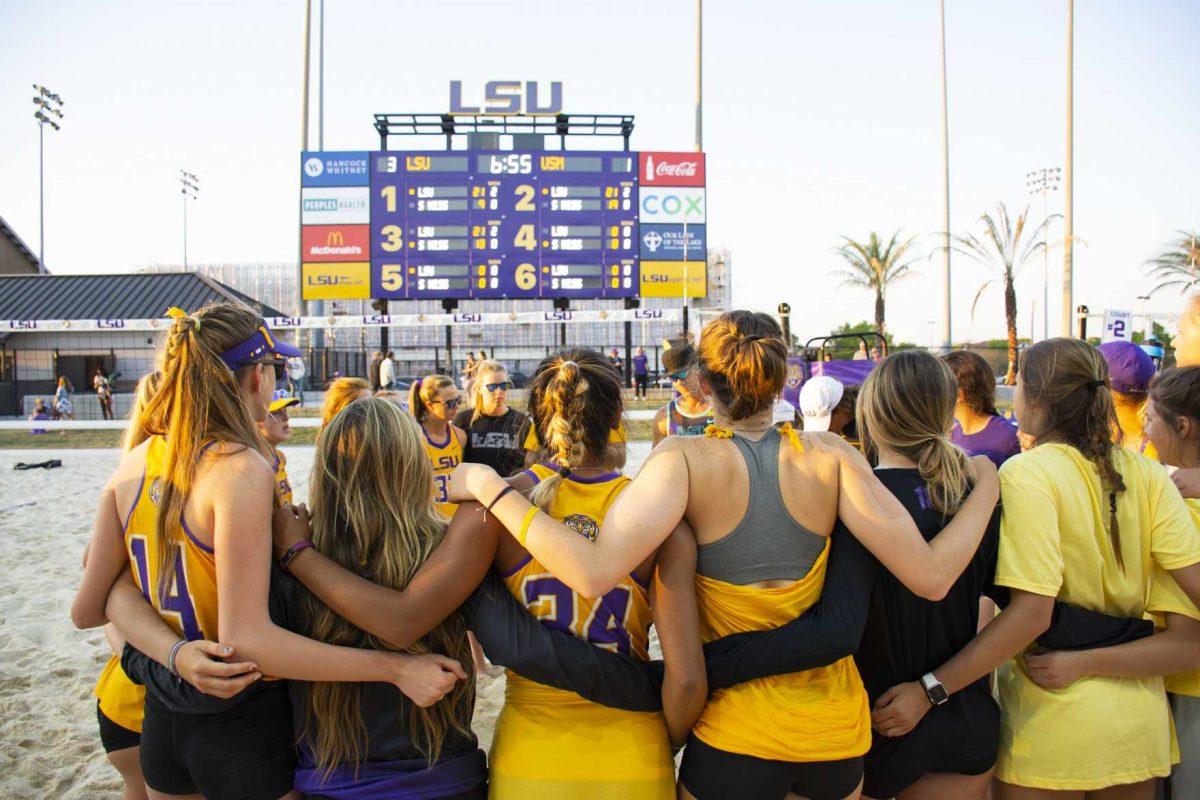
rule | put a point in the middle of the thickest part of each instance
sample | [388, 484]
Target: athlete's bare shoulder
[230, 465]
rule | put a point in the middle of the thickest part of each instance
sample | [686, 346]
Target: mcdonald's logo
[335, 243]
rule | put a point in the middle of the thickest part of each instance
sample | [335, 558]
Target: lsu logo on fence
[558, 316]
[285, 322]
[22, 324]
[377, 319]
[110, 324]
[647, 313]
[468, 319]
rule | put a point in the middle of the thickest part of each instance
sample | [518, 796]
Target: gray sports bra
[767, 544]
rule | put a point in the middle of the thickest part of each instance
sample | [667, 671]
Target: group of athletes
[817, 607]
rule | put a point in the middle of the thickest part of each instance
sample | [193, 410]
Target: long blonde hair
[136, 433]
[341, 393]
[481, 368]
[575, 402]
[373, 513]
[907, 405]
[198, 401]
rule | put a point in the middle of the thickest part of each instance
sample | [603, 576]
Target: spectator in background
[468, 373]
[62, 398]
[103, 393]
[687, 413]
[978, 427]
[373, 370]
[387, 371]
[495, 432]
[614, 358]
[341, 393]
[876, 356]
[819, 398]
[861, 354]
[39, 412]
[1130, 370]
[641, 373]
[1187, 354]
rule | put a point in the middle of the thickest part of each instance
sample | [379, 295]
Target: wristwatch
[934, 690]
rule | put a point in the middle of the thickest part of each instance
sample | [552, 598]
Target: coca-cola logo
[672, 169]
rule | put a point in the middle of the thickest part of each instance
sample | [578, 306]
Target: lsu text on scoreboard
[502, 224]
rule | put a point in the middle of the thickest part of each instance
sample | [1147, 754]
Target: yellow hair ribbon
[176, 313]
[792, 434]
[717, 432]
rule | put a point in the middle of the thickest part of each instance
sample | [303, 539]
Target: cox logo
[313, 167]
[672, 205]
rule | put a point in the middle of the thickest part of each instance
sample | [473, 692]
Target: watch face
[937, 694]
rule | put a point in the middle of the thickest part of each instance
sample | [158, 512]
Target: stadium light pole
[49, 108]
[1043, 182]
[1068, 316]
[190, 188]
[699, 145]
[321, 79]
[947, 330]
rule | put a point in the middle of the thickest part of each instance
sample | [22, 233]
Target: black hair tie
[1112, 502]
[1096, 384]
[564, 470]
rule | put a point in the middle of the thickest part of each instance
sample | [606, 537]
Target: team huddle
[884, 617]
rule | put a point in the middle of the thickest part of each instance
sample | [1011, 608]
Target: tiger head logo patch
[582, 524]
[155, 491]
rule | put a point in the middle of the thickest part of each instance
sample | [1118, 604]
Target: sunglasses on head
[495, 387]
[679, 376]
[279, 364]
[450, 404]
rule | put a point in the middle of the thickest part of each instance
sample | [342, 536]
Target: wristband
[292, 552]
[175, 648]
[525, 523]
[503, 492]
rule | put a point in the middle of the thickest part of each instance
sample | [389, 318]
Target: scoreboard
[501, 224]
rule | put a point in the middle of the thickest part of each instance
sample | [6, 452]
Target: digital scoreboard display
[504, 224]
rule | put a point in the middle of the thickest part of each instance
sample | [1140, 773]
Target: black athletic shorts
[115, 737]
[245, 753]
[712, 774]
[478, 793]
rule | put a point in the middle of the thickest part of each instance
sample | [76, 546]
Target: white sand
[49, 742]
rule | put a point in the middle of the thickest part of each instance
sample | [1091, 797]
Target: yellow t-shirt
[1133, 436]
[283, 487]
[551, 743]
[1167, 597]
[1054, 542]
[120, 699]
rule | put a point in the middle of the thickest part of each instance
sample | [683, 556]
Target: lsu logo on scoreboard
[338, 281]
[504, 97]
[674, 279]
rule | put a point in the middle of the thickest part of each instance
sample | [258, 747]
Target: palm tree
[1004, 254]
[1178, 264]
[874, 267]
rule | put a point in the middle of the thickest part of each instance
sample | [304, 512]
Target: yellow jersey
[1133, 437]
[1167, 597]
[189, 604]
[121, 700]
[552, 743]
[283, 487]
[444, 457]
[820, 714]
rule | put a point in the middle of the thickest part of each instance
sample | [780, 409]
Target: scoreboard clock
[498, 224]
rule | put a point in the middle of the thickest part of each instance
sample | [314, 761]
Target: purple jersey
[997, 440]
[640, 366]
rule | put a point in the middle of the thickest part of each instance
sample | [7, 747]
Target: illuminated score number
[391, 238]
[525, 238]
[525, 277]
[515, 164]
[525, 195]
[389, 193]
[391, 277]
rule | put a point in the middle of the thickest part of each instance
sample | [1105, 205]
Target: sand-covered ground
[49, 744]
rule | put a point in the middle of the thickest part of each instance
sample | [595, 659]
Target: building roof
[7, 232]
[136, 296]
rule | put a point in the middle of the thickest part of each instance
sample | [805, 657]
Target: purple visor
[256, 348]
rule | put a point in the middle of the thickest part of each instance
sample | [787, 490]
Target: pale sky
[821, 119]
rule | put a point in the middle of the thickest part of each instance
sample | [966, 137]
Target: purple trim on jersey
[533, 476]
[449, 436]
[645, 584]
[608, 476]
[517, 568]
[394, 780]
[136, 497]
[192, 536]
